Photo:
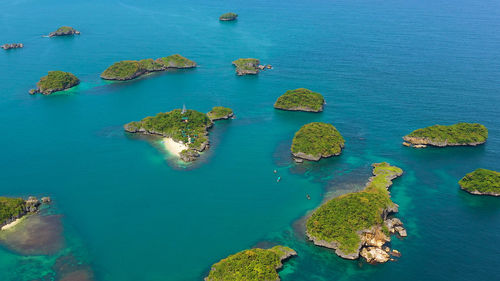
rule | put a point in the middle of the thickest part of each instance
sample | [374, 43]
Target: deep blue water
[384, 67]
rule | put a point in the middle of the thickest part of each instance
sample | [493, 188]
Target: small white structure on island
[183, 109]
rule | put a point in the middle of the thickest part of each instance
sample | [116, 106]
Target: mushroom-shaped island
[64, 31]
[246, 66]
[317, 140]
[481, 182]
[251, 265]
[130, 69]
[228, 17]
[300, 100]
[460, 134]
[55, 81]
[357, 223]
[220, 112]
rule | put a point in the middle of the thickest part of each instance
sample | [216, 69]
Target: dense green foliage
[482, 181]
[249, 265]
[10, 207]
[219, 112]
[123, 70]
[246, 64]
[460, 133]
[228, 16]
[300, 99]
[339, 219]
[173, 124]
[64, 29]
[318, 139]
[56, 81]
[176, 61]
[129, 69]
[150, 65]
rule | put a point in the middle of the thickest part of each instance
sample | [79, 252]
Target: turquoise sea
[130, 213]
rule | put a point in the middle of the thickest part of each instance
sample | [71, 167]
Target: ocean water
[130, 213]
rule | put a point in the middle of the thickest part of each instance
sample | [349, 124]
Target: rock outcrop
[329, 227]
[64, 31]
[460, 134]
[12, 46]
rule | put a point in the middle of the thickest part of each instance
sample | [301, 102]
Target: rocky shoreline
[64, 31]
[30, 206]
[372, 245]
[12, 46]
[424, 142]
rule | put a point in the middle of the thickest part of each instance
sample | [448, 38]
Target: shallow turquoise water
[384, 67]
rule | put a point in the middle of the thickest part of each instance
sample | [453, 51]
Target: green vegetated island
[55, 81]
[64, 31]
[130, 69]
[300, 100]
[358, 223]
[460, 134]
[187, 127]
[219, 113]
[481, 182]
[12, 209]
[228, 17]
[249, 66]
[317, 140]
[251, 265]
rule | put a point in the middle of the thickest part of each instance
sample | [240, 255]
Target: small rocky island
[13, 209]
[300, 100]
[64, 31]
[358, 224]
[228, 17]
[12, 46]
[251, 265]
[55, 81]
[481, 182]
[460, 134]
[130, 69]
[185, 132]
[219, 113]
[249, 66]
[317, 140]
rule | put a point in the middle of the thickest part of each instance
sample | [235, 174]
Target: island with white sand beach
[184, 131]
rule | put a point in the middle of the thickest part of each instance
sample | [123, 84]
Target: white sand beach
[12, 224]
[173, 147]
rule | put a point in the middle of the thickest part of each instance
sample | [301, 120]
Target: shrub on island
[220, 112]
[355, 220]
[228, 17]
[251, 265]
[317, 140]
[55, 81]
[300, 100]
[481, 182]
[63, 31]
[10, 208]
[458, 134]
[246, 66]
[130, 69]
